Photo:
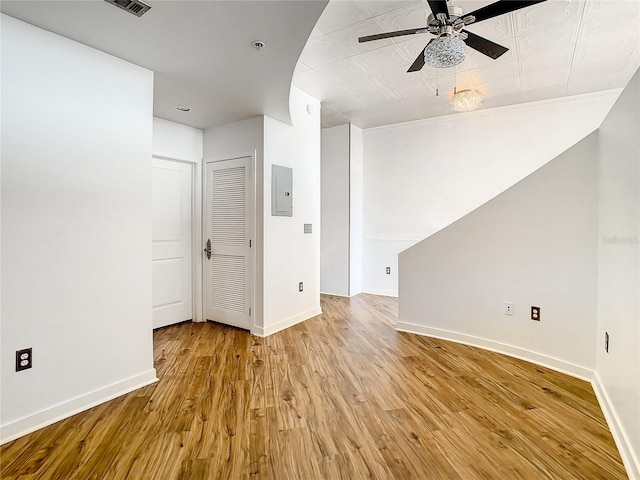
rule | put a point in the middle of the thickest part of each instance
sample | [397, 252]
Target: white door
[228, 260]
[171, 242]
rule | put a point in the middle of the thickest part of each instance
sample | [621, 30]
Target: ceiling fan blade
[438, 6]
[398, 33]
[501, 7]
[484, 46]
[418, 62]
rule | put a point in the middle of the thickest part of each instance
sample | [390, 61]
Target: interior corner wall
[421, 176]
[342, 210]
[533, 245]
[76, 227]
[334, 256]
[176, 141]
[356, 209]
[618, 371]
[233, 140]
[290, 255]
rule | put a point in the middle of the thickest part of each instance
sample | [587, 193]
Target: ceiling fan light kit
[447, 24]
[444, 52]
[466, 100]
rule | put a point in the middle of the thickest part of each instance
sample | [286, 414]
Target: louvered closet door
[228, 273]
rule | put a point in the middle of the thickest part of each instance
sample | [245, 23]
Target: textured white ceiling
[556, 48]
[201, 51]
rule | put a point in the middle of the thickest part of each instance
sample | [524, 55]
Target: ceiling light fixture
[258, 45]
[466, 100]
[445, 51]
[183, 109]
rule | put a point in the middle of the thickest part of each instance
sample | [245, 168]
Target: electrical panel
[281, 191]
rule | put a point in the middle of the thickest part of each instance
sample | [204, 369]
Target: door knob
[208, 249]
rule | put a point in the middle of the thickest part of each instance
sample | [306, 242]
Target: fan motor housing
[454, 14]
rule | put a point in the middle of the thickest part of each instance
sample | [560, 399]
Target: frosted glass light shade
[466, 100]
[444, 52]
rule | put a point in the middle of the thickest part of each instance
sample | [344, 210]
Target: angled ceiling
[201, 51]
[203, 58]
[556, 48]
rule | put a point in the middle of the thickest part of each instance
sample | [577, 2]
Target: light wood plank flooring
[341, 396]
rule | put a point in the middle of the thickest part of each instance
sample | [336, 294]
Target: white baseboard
[335, 294]
[50, 415]
[510, 350]
[289, 322]
[629, 457]
[380, 291]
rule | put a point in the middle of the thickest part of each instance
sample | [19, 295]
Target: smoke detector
[134, 7]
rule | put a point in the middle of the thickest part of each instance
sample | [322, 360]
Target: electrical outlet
[535, 313]
[300, 287]
[508, 308]
[388, 270]
[24, 359]
[606, 342]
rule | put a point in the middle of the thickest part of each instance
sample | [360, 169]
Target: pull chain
[455, 80]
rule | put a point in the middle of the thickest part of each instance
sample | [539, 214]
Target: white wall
[566, 239]
[175, 141]
[285, 255]
[290, 255]
[618, 372]
[334, 256]
[535, 244]
[356, 209]
[239, 139]
[342, 210]
[420, 177]
[76, 226]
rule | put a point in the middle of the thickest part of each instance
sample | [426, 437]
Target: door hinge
[249, 243]
[249, 311]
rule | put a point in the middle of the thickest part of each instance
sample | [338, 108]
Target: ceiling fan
[447, 24]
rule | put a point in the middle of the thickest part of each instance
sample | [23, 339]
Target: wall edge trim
[30, 423]
[629, 458]
[176, 159]
[556, 364]
[380, 291]
[286, 323]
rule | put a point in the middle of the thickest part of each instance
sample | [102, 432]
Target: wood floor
[341, 396]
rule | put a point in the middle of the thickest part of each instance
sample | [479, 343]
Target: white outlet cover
[508, 308]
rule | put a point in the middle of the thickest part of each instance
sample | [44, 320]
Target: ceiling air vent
[136, 7]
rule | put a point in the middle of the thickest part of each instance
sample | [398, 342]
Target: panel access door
[228, 259]
[171, 242]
